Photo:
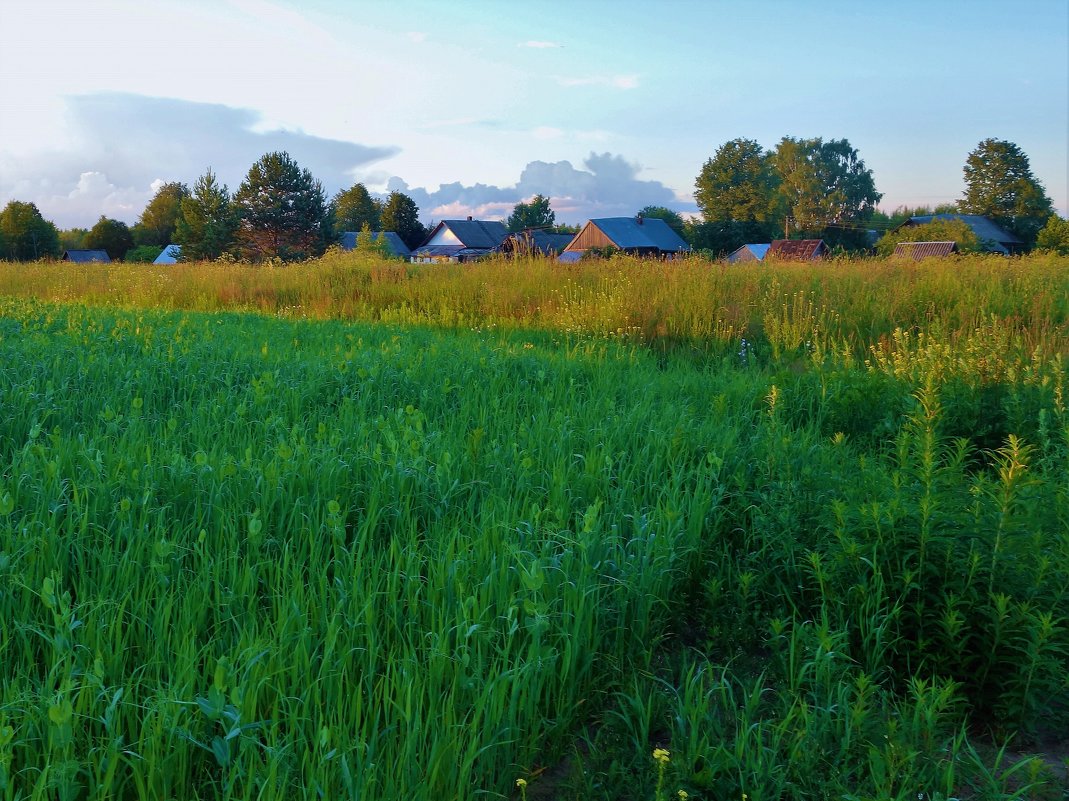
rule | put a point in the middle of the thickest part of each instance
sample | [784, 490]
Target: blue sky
[473, 106]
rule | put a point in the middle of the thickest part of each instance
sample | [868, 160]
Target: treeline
[803, 188]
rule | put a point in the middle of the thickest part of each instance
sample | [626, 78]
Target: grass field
[365, 530]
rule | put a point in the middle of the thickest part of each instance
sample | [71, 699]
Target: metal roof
[924, 250]
[487, 234]
[169, 255]
[985, 228]
[757, 252]
[801, 249]
[86, 256]
[627, 233]
[347, 241]
[542, 242]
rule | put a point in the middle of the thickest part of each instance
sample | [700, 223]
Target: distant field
[805, 527]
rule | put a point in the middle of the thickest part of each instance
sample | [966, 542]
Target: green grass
[249, 557]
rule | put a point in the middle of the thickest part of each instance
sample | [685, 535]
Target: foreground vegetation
[807, 529]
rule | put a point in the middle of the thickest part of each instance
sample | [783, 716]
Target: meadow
[360, 529]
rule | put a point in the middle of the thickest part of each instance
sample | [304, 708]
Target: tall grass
[811, 540]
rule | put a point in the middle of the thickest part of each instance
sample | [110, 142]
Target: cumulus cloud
[129, 144]
[608, 187]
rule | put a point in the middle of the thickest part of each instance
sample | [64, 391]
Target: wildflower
[661, 755]
[521, 783]
[683, 795]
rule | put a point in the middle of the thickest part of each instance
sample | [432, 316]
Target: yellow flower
[661, 755]
[683, 795]
[521, 783]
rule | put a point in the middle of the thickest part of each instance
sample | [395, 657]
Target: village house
[993, 237]
[535, 243]
[639, 236]
[748, 253]
[460, 241]
[924, 250]
[397, 246]
[86, 256]
[797, 250]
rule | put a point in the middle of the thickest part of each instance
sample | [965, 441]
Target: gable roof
[86, 256]
[482, 234]
[169, 255]
[627, 233]
[754, 252]
[798, 249]
[397, 245]
[924, 250]
[986, 229]
[536, 241]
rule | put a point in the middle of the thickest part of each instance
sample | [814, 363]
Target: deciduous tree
[353, 207]
[535, 213]
[157, 222]
[999, 184]
[936, 231]
[738, 183]
[1054, 236]
[674, 220]
[401, 215]
[823, 183]
[282, 211]
[25, 234]
[110, 235]
[206, 226]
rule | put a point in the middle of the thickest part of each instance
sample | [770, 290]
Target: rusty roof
[797, 249]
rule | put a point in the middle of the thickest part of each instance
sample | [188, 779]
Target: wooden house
[460, 241]
[748, 253]
[924, 250]
[535, 243]
[649, 236]
[993, 237]
[86, 256]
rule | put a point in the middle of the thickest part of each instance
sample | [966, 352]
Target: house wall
[590, 237]
[443, 237]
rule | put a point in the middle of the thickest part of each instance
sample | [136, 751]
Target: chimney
[638, 218]
[469, 218]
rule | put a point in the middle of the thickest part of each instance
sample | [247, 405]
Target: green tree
[721, 237]
[353, 207]
[72, 238]
[26, 234]
[400, 214]
[157, 222]
[936, 231]
[372, 244]
[675, 222]
[143, 254]
[823, 184]
[738, 183]
[111, 235]
[535, 213]
[208, 221]
[1054, 236]
[282, 211]
[999, 184]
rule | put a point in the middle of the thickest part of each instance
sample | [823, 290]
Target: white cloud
[540, 45]
[419, 37]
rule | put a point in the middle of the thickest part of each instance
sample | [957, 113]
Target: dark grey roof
[86, 256]
[986, 229]
[627, 233]
[347, 241]
[449, 252]
[542, 242]
[475, 233]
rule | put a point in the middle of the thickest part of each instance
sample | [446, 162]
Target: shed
[461, 240]
[394, 242]
[169, 255]
[993, 237]
[924, 250]
[640, 236]
[86, 256]
[748, 253]
[797, 249]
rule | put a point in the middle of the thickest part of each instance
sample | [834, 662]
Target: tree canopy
[1054, 236]
[157, 222]
[737, 183]
[206, 226]
[282, 211]
[353, 208]
[823, 183]
[999, 184]
[535, 213]
[25, 235]
[674, 220]
[400, 214]
[111, 235]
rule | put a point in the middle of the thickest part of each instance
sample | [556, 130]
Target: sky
[605, 106]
